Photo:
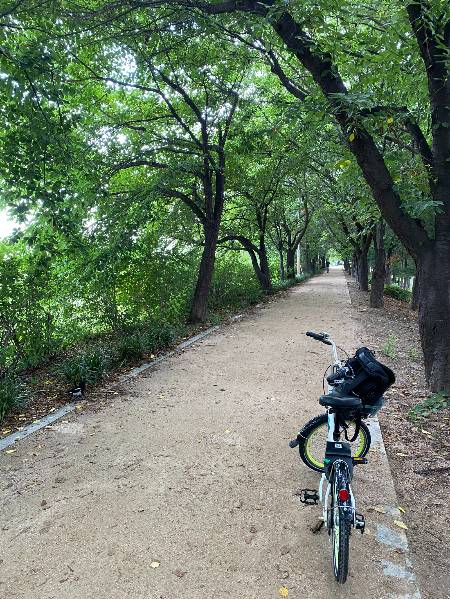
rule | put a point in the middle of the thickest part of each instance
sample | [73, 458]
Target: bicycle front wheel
[313, 440]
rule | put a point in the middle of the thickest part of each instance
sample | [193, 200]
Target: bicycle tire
[340, 536]
[311, 427]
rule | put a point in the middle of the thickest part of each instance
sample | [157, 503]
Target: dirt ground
[418, 450]
[184, 486]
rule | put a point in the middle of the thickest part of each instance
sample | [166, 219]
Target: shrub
[89, 366]
[12, 394]
[280, 285]
[431, 405]
[398, 293]
[130, 348]
[234, 285]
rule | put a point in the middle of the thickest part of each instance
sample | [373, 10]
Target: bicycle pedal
[360, 461]
[360, 522]
[309, 496]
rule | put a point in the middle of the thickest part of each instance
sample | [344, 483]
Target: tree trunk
[347, 265]
[355, 267]
[415, 292]
[266, 281]
[363, 270]
[378, 273]
[281, 265]
[388, 274]
[433, 271]
[199, 307]
[261, 268]
[299, 262]
[290, 263]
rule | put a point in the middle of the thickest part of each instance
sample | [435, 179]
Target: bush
[234, 284]
[130, 348]
[89, 366]
[280, 285]
[398, 293]
[12, 394]
[431, 405]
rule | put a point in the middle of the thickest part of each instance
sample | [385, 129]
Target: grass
[431, 405]
[389, 347]
[413, 353]
[12, 394]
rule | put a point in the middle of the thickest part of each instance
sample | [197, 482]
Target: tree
[430, 24]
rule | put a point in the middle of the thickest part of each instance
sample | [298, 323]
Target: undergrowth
[398, 293]
[433, 404]
[12, 394]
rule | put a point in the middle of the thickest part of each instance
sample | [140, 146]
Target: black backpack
[371, 378]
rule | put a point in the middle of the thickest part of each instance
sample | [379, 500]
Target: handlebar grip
[318, 337]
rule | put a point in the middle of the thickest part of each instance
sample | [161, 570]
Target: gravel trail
[185, 487]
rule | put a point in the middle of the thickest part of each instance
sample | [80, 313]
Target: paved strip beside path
[185, 487]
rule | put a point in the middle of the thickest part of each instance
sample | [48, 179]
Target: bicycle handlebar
[319, 337]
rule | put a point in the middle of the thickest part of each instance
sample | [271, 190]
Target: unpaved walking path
[191, 472]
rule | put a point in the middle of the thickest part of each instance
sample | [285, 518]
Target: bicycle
[355, 392]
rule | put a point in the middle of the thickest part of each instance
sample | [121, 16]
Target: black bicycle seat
[334, 400]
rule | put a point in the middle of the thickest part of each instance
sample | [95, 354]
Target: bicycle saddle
[334, 400]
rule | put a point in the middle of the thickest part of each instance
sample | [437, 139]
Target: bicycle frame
[331, 437]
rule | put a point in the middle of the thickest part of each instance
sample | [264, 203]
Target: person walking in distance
[328, 265]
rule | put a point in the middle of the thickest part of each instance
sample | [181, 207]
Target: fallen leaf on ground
[400, 524]
[179, 573]
[380, 509]
[155, 564]
[402, 455]
[403, 511]
[10, 451]
[425, 432]
[283, 591]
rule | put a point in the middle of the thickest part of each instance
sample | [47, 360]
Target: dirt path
[191, 472]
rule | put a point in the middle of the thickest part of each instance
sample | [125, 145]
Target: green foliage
[389, 347]
[433, 404]
[88, 366]
[398, 293]
[138, 341]
[280, 285]
[130, 349]
[12, 394]
[234, 285]
[413, 353]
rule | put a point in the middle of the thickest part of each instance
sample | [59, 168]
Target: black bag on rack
[371, 378]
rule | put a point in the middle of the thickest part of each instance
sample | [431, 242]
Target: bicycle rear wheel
[340, 542]
[313, 440]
